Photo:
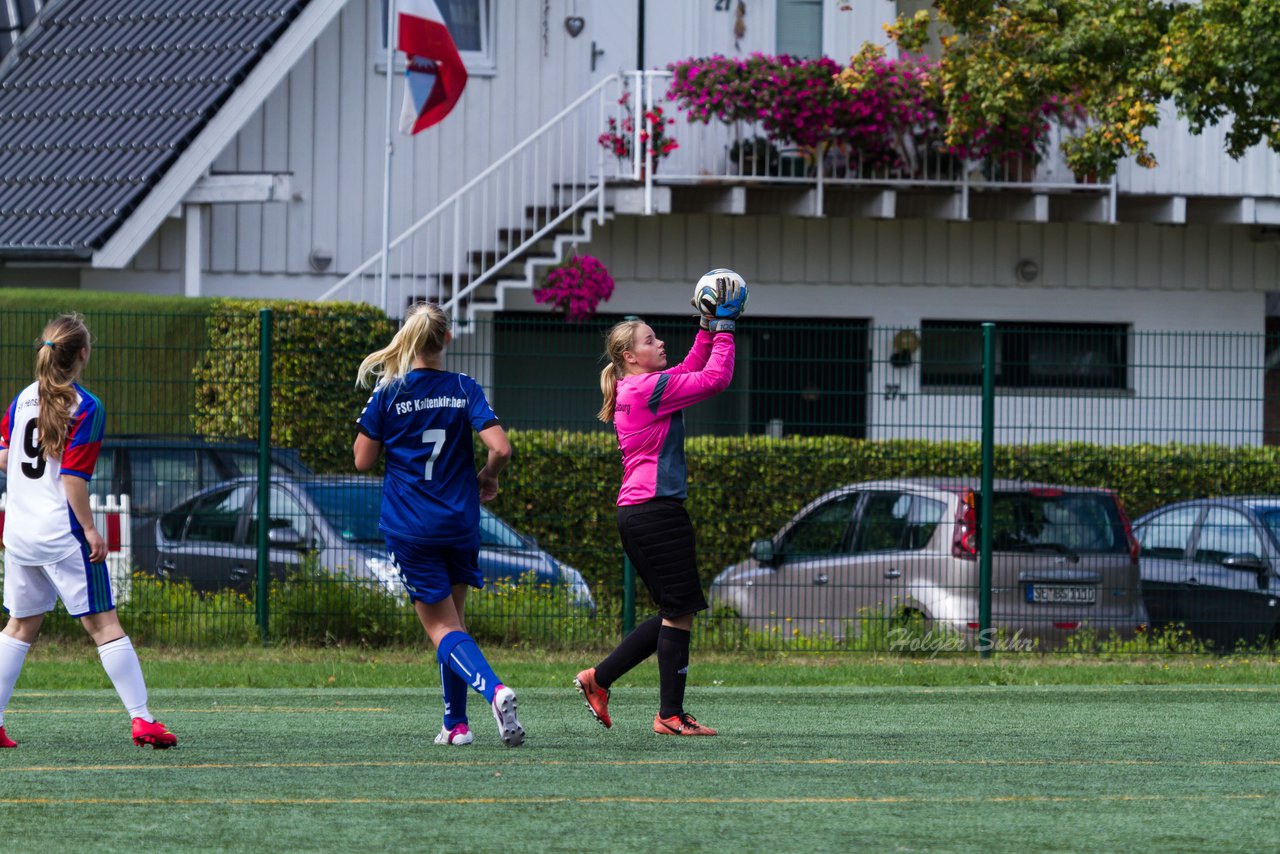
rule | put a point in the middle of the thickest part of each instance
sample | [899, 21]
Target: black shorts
[658, 537]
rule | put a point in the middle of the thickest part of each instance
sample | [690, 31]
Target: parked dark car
[1063, 560]
[1211, 565]
[211, 538]
[158, 471]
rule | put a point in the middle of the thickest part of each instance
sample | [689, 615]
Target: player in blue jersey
[49, 440]
[423, 415]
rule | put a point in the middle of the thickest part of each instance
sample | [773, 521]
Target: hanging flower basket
[576, 287]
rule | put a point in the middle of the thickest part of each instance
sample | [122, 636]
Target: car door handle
[821, 578]
[1193, 581]
[239, 572]
[893, 573]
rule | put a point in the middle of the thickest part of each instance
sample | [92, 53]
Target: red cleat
[681, 724]
[597, 698]
[5, 741]
[152, 733]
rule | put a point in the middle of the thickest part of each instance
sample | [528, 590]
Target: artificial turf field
[801, 767]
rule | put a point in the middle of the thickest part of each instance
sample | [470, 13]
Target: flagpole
[390, 150]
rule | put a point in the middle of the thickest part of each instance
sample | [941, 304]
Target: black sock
[673, 669]
[635, 648]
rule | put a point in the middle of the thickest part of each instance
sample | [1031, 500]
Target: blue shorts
[429, 571]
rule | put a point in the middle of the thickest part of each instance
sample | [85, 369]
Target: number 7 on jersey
[434, 438]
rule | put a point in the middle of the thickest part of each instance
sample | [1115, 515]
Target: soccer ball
[714, 288]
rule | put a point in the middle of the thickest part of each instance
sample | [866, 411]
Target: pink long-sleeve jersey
[650, 424]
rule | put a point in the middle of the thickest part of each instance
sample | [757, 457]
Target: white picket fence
[112, 517]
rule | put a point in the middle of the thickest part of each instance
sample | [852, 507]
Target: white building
[155, 147]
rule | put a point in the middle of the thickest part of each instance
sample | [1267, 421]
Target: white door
[608, 42]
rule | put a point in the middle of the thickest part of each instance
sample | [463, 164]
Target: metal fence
[953, 486]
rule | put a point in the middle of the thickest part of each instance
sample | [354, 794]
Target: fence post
[264, 470]
[988, 478]
[628, 595]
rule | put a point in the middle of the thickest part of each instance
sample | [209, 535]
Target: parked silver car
[1064, 560]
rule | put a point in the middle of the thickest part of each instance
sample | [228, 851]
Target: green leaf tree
[1108, 64]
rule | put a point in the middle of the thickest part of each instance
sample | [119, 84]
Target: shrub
[316, 348]
[135, 336]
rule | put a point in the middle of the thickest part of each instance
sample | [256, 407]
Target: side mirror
[1246, 562]
[762, 551]
[286, 538]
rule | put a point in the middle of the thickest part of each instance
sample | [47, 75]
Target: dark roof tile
[102, 99]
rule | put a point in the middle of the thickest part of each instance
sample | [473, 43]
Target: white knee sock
[121, 664]
[12, 653]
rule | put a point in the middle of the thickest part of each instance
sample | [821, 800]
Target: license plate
[1069, 594]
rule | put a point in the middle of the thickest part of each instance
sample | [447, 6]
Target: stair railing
[463, 243]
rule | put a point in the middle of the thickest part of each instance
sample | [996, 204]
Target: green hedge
[561, 487]
[145, 348]
[316, 349]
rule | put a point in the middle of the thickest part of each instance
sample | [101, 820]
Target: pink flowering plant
[620, 131]
[885, 113]
[577, 287]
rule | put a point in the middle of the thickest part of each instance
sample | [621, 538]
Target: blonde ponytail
[425, 329]
[619, 340]
[57, 367]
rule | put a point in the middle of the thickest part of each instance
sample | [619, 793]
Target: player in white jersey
[49, 441]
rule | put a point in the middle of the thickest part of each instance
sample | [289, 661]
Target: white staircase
[502, 228]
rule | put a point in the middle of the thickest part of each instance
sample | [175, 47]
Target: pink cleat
[152, 733]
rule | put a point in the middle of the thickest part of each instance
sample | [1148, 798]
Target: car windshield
[1270, 517]
[352, 508]
[497, 534]
[1053, 520]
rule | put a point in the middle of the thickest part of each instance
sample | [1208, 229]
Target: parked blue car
[210, 539]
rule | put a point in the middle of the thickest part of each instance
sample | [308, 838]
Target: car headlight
[577, 585]
[382, 571]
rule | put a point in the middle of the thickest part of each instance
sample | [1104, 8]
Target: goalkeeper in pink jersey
[49, 441]
[645, 400]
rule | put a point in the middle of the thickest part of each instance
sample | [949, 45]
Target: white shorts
[84, 587]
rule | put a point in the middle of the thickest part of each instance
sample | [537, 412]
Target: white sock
[13, 653]
[121, 664]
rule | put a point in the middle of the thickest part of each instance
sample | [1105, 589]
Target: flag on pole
[435, 75]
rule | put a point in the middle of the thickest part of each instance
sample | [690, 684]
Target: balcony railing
[742, 154]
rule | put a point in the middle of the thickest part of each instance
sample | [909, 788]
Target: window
[1226, 533]
[823, 531]
[470, 23]
[160, 478]
[285, 512]
[800, 28]
[794, 376]
[103, 483]
[1166, 535]
[1027, 355]
[352, 509]
[1051, 520]
[215, 517]
[893, 521]
[497, 534]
